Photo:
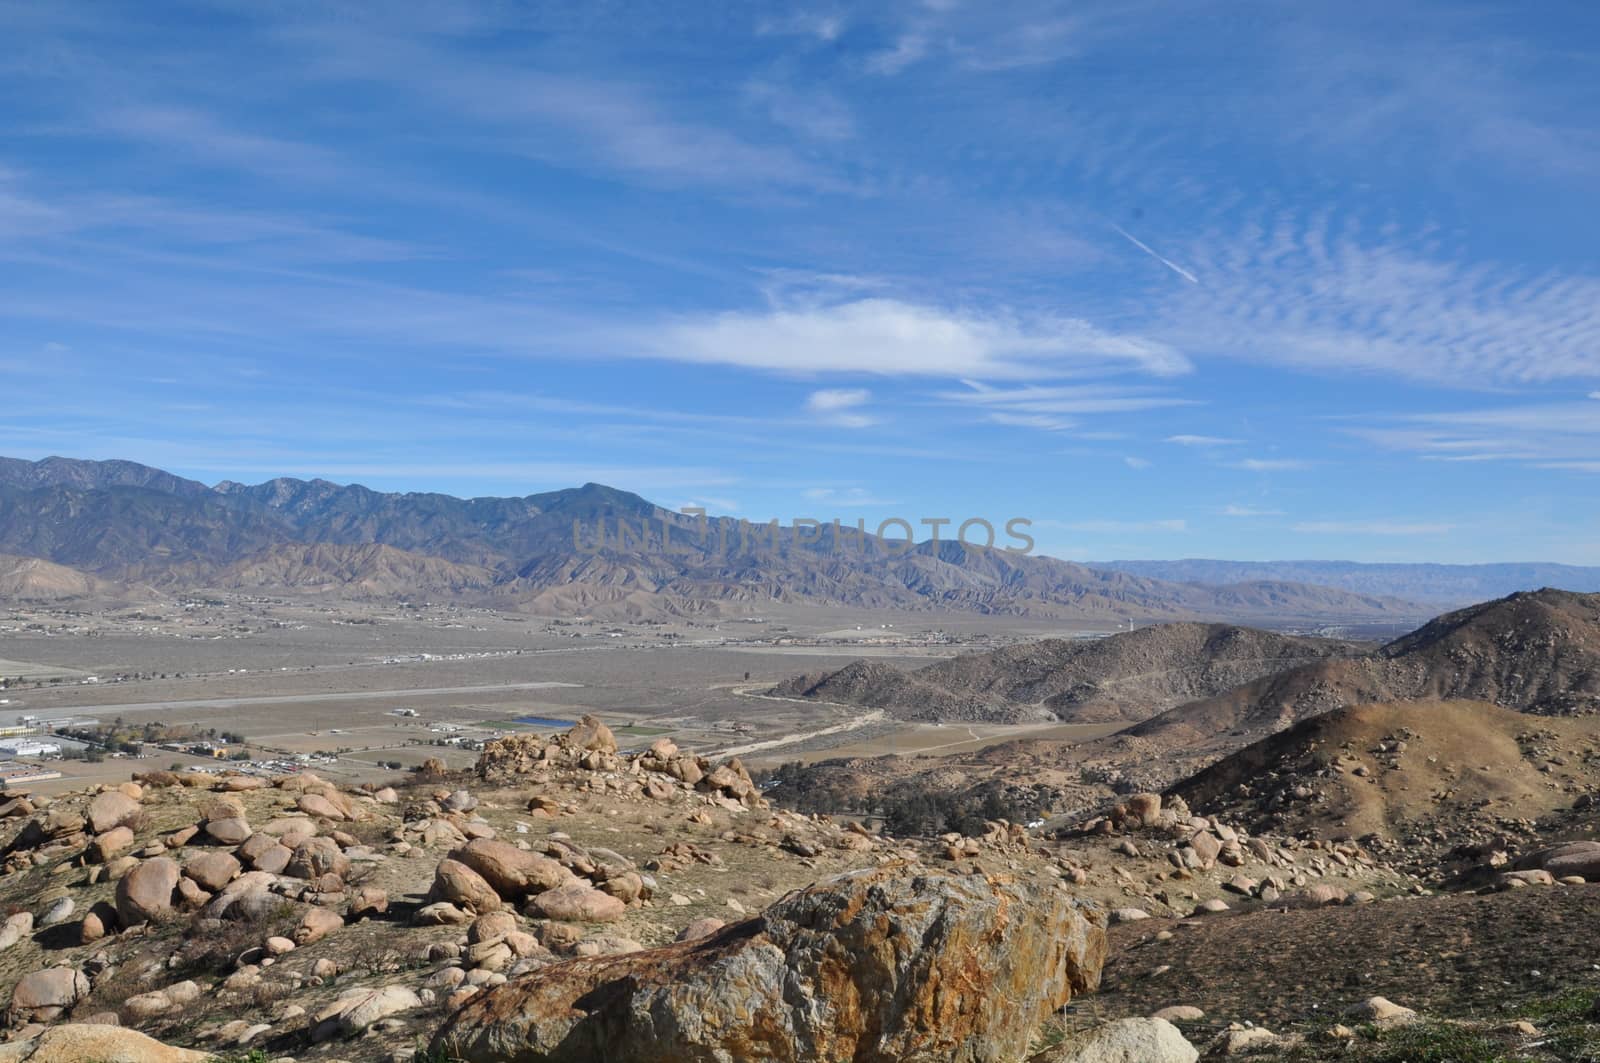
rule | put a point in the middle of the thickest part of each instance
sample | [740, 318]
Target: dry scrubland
[567, 901]
[1402, 881]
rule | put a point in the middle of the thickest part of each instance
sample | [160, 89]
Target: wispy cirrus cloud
[1372, 527]
[1202, 441]
[1118, 527]
[1250, 511]
[1554, 435]
[1315, 291]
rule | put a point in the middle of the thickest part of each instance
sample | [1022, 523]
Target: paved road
[56, 712]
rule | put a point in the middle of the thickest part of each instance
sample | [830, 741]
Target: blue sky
[1244, 280]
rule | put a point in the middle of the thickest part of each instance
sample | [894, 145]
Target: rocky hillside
[567, 902]
[1127, 676]
[1537, 653]
[1427, 778]
[593, 549]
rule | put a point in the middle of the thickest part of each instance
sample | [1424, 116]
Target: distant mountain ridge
[1131, 675]
[122, 521]
[1444, 584]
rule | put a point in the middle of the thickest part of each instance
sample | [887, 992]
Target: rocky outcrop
[894, 963]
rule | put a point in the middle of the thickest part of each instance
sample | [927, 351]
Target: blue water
[542, 721]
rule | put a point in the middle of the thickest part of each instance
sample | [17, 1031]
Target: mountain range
[119, 522]
[1434, 583]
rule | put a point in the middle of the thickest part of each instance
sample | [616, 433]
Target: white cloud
[1372, 527]
[830, 400]
[848, 496]
[891, 337]
[1136, 463]
[1202, 441]
[1065, 398]
[1043, 422]
[907, 50]
[1114, 527]
[1271, 464]
[839, 406]
[1250, 511]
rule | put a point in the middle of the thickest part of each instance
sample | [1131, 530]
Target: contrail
[1147, 249]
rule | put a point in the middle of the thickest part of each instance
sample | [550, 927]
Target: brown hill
[1424, 775]
[34, 579]
[1129, 675]
[1537, 652]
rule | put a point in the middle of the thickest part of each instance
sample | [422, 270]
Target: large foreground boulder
[896, 964]
[81, 1043]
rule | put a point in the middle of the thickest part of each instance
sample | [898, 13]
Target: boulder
[316, 857]
[463, 887]
[440, 913]
[514, 873]
[1381, 1011]
[492, 927]
[368, 902]
[1143, 810]
[577, 903]
[1180, 1013]
[212, 871]
[40, 996]
[315, 925]
[700, 928]
[230, 830]
[59, 912]
[106, 847]
[860, 967]
[591, 734]
[16, 928]
[321, 806]
[146, 891]
[1573, 858]
[358, 1009]
[110, 810]
[1125, 1041]
[84, 1043]
[1207, 847]
[247, 897]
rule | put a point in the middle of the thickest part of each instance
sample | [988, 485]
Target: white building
[28, 747]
